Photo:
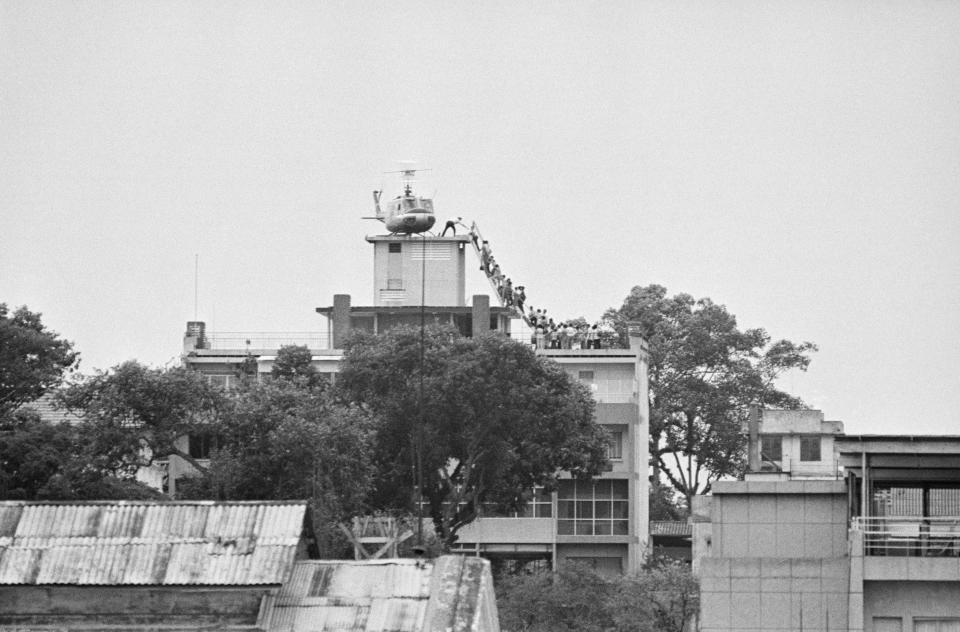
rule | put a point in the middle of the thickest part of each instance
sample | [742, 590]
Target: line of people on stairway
[510, 295]
[572, 334]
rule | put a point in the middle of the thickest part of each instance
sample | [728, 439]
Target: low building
[144, 565]
[672, 539]
[871, 544]
[449, 594]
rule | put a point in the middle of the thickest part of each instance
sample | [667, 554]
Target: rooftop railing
[910, 536]
[266, 339]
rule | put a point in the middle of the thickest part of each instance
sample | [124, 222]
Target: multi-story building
[604, 522]
[864, 537]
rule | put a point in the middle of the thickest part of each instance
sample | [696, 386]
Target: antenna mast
[196, 283]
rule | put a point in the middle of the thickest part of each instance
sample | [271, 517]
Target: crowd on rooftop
[570, 334]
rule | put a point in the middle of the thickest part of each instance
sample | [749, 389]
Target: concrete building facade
[868, 540]
[604, 523]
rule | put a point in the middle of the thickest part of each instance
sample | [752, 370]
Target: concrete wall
[613, 382]
[908, 600]
[779, 525]
[444, 267]
[80, 607]
[623, 418]
[604, 555]
[776, 558]
[764, 594]
[509, 530]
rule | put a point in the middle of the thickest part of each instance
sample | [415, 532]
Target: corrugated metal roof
[149, 543]
[671, 527]
[396, 595]
[48, 410]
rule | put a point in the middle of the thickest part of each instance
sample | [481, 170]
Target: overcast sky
[798, 162]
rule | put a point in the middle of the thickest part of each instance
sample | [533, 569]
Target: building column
[855, 593]
[341, 319]
[481, 314]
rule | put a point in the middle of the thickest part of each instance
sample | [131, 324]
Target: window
[771, 448]
[887, 624]
[809, 448]
[593, 508]
[394, 247]
[935, 625]
[615, 447]
[223, 381]
[540, 505]
[394, 284]
[585, 376]
[202, 445]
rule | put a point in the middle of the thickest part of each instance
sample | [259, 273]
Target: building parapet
[266, 339]
[754, 486]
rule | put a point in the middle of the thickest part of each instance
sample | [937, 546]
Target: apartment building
[603, 523]
[863, 538]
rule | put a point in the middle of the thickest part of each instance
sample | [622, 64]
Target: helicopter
[406, 213]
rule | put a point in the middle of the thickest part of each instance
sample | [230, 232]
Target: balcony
[893, 536]
[906, 548]
[508, 531]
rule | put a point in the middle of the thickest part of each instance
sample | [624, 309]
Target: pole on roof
[423, 291]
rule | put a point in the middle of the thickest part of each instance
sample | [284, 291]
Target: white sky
[798, 162]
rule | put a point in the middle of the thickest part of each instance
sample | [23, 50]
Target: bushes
[661, 598]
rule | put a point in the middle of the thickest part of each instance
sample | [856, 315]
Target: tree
[573, 600]
[660, 598]
[133, 414]
[490, 418]
[284, 441]
[44, 461]
[705, 373]
[293, 363]
[32, 358]
[663, 503]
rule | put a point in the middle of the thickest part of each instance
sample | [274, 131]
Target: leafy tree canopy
[283, 441]
[705, 373]
[660, 598]
[663, 503]
[133, 413]
[32, 358]
[294, 363]
[44, 461]
[495, 421]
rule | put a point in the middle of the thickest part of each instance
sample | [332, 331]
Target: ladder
[476, 238]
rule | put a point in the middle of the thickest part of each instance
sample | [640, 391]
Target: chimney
[480, 314]
[340, 320]
[195, 337]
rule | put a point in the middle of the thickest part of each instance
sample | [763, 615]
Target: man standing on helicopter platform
[452, 225]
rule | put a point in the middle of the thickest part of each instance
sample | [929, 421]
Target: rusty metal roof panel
[396, 615]
[9, 519]
[671, 528]
[148, 543]
[385, 596]
[18, 566]
[343, 596]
